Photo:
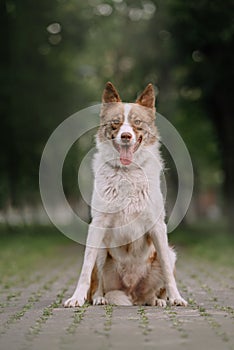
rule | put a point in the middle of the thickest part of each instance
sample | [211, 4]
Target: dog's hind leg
[118, 297]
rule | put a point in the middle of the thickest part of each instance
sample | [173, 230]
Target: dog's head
[129, 126]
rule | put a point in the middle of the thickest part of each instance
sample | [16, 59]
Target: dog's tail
[118, 297]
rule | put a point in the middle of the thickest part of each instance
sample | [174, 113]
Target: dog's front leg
[159, 237]
[94, 240]
[98, 297]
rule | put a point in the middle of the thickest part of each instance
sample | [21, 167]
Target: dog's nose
[126, 137]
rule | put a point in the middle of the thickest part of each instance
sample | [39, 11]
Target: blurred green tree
[56, 57]
[203, 34]
[37, 88]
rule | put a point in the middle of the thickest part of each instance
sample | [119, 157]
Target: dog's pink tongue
[126, 155]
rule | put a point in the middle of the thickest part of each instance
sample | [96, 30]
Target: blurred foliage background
[57, 55]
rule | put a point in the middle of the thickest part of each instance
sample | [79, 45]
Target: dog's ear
[147, 98]
[110, 94]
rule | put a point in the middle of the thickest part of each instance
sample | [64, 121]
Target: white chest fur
[128, 199]
[121, 190]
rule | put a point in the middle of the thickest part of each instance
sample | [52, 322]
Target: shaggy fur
[127, 259]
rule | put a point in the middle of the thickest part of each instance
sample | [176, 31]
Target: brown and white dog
[127, 259]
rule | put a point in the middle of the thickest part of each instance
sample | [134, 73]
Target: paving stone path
[32, 316]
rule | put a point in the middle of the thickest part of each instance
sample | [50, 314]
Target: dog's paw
[74, 301]
[179, 301]
[100, 301]
[160, 302]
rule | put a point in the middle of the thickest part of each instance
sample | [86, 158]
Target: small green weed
[144, 320]
[108, 321]
[77, 318]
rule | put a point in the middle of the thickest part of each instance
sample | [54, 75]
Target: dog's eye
[137, 122]
[115, 121]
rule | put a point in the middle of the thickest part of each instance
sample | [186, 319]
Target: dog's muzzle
[126, 148]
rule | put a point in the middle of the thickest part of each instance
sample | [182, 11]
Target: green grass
[108, 315]
[25, 249]
[78, 315]
[143, 321]
[210, 242]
